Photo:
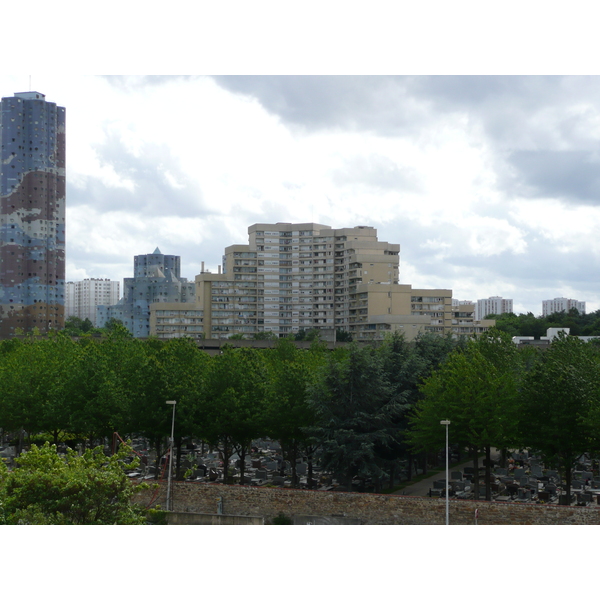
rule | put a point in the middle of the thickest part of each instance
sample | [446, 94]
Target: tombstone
[544, 496]
[587, 475]
[469, 470]
[458, 486]
[301, 468]
[260, 474]
[271, 465]
[256, 463]
[512, 488]
[518, 473]
[278, 480]
[536, 471]
[456, 475]
[500, 471]
[440, 484]
[551, 473]
[584, 499]
[524, 480]
[524, 494]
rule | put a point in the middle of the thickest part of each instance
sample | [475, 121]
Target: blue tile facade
[32, 214]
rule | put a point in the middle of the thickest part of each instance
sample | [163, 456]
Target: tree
[50, 489]
[356, 411]
[264, 335]
[560, 404]
[289, 412]
[476, 389]
[238, 390]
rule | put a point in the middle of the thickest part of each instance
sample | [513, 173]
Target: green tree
[289, 412]
[560, 404]
[356, 411]
[476, 389]
[50, 489]
[238, 391]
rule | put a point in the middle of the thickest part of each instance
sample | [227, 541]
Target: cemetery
[525, 480]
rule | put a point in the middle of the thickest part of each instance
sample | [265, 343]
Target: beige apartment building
[291, 277]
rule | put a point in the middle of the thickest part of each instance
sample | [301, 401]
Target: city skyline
[487, 183]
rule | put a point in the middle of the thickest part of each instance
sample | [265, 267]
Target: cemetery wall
[367, 509]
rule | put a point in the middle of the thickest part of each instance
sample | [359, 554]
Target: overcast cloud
[490, 184]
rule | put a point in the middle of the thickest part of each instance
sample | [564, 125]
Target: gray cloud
[153, 189]
[571, 175]
[542, 265]
[367, 103]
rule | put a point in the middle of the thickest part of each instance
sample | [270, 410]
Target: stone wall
[367, 509]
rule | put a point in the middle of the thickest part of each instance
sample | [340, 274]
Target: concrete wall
[367, 509]
[199, 519]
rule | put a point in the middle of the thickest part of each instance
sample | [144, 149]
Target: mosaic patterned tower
[32, 214]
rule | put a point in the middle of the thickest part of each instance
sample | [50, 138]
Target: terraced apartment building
[302, 276]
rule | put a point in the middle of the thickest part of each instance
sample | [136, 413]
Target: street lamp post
[171, 439]
[446, 423]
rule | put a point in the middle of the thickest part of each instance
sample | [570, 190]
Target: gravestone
[456, 475]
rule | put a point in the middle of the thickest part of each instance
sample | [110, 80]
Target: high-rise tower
[32, 214]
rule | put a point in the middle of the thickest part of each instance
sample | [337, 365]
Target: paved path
[421, 488]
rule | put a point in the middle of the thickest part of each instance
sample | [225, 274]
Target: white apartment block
[561, 304]
[82, 297]
[494, 305]
[309, 276]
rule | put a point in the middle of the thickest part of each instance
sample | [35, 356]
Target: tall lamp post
[171, 439]
[446, 423]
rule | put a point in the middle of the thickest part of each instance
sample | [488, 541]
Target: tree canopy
[51, 489]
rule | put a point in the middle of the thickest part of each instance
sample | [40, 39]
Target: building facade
[560, 305]
[293, 277]
[83, 297]
[32, 214]
[156, 280]
[494, 305]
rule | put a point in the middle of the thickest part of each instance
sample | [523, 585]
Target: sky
[490, 184]
[485, 175]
